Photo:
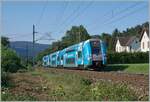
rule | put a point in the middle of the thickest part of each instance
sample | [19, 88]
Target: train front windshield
[96, 50]
[95, 45]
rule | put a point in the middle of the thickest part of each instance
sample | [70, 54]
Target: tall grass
[61, 86]
[72, 87]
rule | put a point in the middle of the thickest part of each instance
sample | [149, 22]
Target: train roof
[73, 47]
[96, 39]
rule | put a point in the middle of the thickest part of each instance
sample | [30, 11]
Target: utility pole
[34, 44]
[27, 54]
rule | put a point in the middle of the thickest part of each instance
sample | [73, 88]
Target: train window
[58, 58]
[61, 57]
[49, 60]
[95, 44]
[53, 62]
[96, 50]
[79, 54]
[70, 60]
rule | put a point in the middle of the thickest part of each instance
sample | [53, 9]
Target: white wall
[145, 39]
[134, 47]
[127, 49]
[119, 48]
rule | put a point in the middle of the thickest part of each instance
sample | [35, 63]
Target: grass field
[37, 85]
[129, 68]
[58, 86]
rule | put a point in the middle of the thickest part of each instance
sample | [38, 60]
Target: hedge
[125, 58]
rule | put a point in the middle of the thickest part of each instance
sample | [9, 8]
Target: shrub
[5, 79]
[10, 61]
[86, 81]
[108, 91]
[124, 57]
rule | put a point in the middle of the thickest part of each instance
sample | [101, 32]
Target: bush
[108, 91]
[86, 81]
[10, 61]
[124, 57]
[5, 79]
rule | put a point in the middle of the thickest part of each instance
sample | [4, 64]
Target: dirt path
[138, 82]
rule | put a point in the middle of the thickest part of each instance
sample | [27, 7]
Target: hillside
[24, 47]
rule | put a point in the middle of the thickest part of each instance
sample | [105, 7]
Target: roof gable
[125, 41]
[142, 33]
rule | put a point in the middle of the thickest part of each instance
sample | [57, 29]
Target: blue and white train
[86, 54]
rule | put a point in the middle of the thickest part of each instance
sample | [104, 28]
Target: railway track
[138, 82]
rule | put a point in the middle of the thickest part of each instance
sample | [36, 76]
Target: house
[145, 40]
[127, 44]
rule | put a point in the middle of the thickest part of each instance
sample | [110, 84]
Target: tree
[116, 33]
[75, 35]
[107, 38]
[10, 61]
[5, 41]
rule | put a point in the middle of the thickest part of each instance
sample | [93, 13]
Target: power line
[45, 36]
[42, 13]
[63, 12]
[19, 36]
[124, 16]
[79, 14]
[69, 17]
[119, 13]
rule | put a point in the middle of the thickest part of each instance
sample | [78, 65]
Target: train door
[87, 57]
[103, 50]
[71, 60]
[80, 55]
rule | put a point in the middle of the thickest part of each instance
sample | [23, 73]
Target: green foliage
[7, 96]
[5, 79]
[137, 68]
[5, 41]
[86, 81]
[116, 33]
[10, 61]
[75, 35]
[109, 41]
[43, 53]
[66, 86]
[111, 92]
[123, 57]
[141, 68]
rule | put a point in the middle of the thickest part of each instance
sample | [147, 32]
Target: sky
[53, 18]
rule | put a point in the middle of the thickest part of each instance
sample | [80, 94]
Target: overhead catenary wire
[69, 16]
[121, 17]
[63, 13]
[79, 14]
[118, 13]
[40, 18]
[130, 13]
[18, 35]
[42, 13]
